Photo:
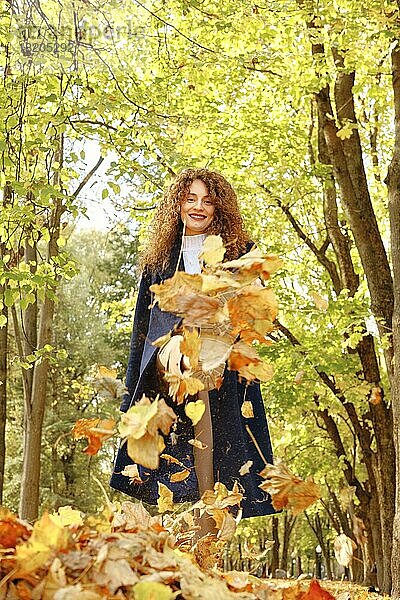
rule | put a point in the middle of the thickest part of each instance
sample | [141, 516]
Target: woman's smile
[197, 211]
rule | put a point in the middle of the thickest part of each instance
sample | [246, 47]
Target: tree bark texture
[393, 184]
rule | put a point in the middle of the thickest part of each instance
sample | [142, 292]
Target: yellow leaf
[195, 410]
[66, 515]
[152, 590]
[244, 469]
[165, 498]
[247, 409]
[47, 538]
[96, 431]
[181, 387]
[132, 472]
[146, 450]
[133, 423]
[106, 372]
[198, 444]
[180, 476]
[213, 250]
[190, 346]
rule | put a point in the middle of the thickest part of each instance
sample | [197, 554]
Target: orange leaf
[287, 490]
[179, 476]
[96, 431]
[11, 529]
[316, 592]
[190, 346]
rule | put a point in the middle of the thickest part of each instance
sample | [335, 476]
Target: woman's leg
[203, 462]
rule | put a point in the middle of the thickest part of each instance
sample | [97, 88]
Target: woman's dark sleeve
[139, 332]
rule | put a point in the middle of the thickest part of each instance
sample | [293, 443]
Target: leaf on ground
[96, 431]
[213, 250]
[247, 409]
[238, 580]
[47, 538]
[195, 410]
[66, 516]
[288, 490]
[152, 590]
[344, 548]
[165, 499]
[316, 592]
[12, 530]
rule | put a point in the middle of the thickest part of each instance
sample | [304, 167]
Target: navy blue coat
[232, 444]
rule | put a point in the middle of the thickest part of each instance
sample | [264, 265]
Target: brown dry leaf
[252, 312]
[96, 431]
[195, 410]
[244, 469]
[298, 378]
[179, 476]
[288, 490]
[199, 309]
[139, 427]
[225, 523]
[254, 264]
[166, 292]
[320, 303]
[172, 460]
[198, 444]
[221, 497]
[165, 498]
[215, 350]
[213, 250]
[247, 409]
[344, 549]
[132, 472]
[181, 387]
[190, 346]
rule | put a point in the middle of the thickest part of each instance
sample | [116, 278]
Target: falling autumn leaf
[288, 490]
[179, 476]
[298, 378]
[376, 395]
[245, 468]
[320, 303]
[344, 548]
[213, 250]
[190, 346]
[132, 472]
[165, 498]
[96, 431]
[247, 409]
[195, 410]
[198, 444]
[182, 387]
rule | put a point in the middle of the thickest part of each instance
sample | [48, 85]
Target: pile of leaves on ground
[124, 553]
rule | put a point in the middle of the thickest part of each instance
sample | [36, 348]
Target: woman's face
[197, 211]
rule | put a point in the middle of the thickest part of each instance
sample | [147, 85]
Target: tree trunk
[35, 405]
[3, 392]
[275, 547]
[393, 183]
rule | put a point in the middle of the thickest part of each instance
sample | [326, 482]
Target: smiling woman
[198, 203]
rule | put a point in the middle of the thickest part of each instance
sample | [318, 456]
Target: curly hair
[167, 223]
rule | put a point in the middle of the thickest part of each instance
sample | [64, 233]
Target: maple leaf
[190, 346]
[254, 264]
[195, 410]
[221, 497]
[213, 250]
[139, 427]
[96, 431]
[165, 293]
[344, 549]
[181, 387]
[165, 499]
[47, 538]
[66, 516]
[288, 490]
[316, 592]
[11, 529]
[252, 312]
[198, 309]
[225, 523]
